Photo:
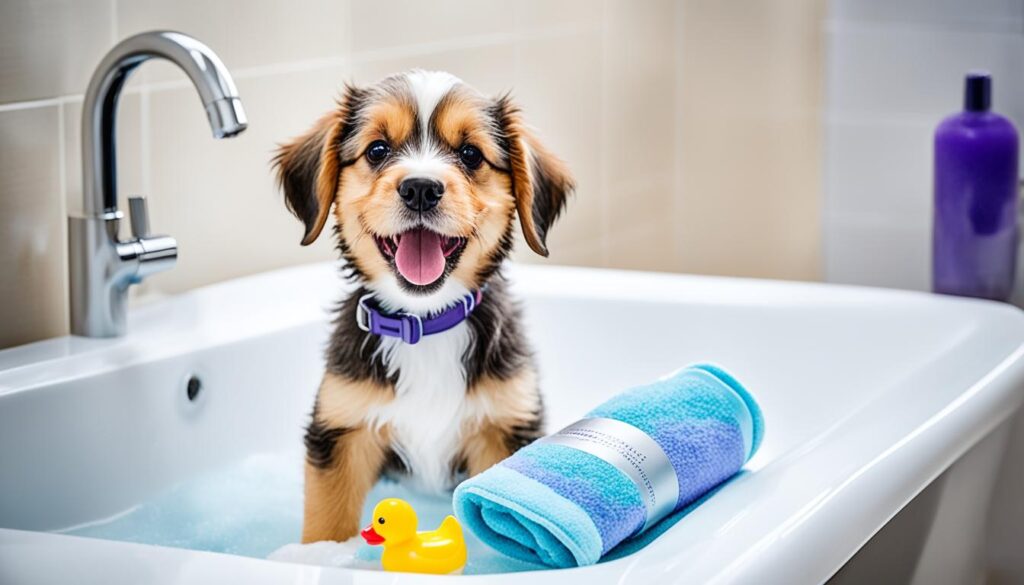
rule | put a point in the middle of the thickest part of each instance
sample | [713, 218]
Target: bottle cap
[978, 91]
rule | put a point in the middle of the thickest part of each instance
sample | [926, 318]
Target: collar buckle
[406, 326]
[363, 313]
[468, 304]
[407, 332]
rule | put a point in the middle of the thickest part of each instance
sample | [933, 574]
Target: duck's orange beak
[370, 536]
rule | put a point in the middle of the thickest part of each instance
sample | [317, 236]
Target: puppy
[428, 374]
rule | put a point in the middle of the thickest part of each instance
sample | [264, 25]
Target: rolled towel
[626, 471]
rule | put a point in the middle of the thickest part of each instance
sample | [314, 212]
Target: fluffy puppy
[426, 177]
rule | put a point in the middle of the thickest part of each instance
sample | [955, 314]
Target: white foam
[327, 553]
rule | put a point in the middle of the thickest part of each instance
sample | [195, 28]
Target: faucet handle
[139, 216]
[151, 253]
[156, 253]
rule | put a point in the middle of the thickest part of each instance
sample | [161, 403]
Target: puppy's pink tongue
[419, 257]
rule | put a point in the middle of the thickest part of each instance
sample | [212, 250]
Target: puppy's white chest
[427, 414]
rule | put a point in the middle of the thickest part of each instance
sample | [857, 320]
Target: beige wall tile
[398, 23]
[640, 84]
[640, 116]
[762, 221]
[643, 246]
[767, 53]
[129, 153]
[33, 289]
[219, 197]
[244, 33]
[488, 68]
[642, 201]
[532, 15]
[49, 48]
[749, 138]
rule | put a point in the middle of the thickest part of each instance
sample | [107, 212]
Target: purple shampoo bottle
[975, 236]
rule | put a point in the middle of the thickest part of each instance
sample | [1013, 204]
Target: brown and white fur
[459, 401]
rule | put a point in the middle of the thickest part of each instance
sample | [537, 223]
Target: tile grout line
[900, 221]
[144, 146]
[62, 154]
[113, 23]
[146, 286]
[63, 213]
[385, 54]
[362, 57]
[27, 105]
[603, 157]
[826, 53]
[838, 117]
[472, 41]
[349, 30]
[965, 27]
[678, 203]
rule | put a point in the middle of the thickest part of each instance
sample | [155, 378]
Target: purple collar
[411, 328]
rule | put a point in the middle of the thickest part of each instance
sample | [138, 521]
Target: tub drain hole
[192, 388]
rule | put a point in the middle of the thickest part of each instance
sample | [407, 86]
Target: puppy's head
[425, 176]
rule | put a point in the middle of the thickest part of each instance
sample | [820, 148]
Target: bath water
[254, 508]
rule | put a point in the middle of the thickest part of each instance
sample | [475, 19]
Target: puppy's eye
[377, 152]
[471, 156]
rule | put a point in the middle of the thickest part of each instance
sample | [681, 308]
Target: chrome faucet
[102, 266]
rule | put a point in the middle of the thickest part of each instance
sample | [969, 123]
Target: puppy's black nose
[420, 194]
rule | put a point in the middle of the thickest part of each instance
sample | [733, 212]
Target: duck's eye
[471, 156]
[378, 151]
[380, 520]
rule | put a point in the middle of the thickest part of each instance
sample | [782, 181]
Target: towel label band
[632, 452]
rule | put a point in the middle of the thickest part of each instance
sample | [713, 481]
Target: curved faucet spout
[101, 265]
[99, 112]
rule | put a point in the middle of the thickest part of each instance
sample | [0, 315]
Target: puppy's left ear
[308, 167]
[541, 182]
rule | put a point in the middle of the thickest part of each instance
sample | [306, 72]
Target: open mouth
[420, 255]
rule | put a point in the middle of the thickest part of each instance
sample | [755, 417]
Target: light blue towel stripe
[743, 417]
[753, 408]
[500, 503]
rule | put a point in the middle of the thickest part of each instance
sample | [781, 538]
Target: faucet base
[102, 268]
[98, 291]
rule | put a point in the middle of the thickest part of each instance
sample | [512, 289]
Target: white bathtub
[868, 396]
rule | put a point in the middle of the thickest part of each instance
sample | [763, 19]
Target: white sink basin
[868, 395]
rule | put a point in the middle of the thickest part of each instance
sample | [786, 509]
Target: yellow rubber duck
[438, 552]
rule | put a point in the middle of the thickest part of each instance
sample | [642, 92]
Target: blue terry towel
[559, 505]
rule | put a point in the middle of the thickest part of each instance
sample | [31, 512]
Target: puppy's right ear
[309, 166]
